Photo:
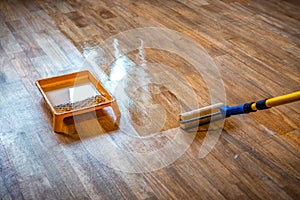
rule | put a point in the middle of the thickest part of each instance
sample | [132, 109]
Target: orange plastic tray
[74, 94]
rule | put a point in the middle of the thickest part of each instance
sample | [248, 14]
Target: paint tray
[74, 94]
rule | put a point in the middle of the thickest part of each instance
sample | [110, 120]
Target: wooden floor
[254, 43]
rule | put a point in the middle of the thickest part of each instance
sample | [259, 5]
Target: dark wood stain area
[256, 46]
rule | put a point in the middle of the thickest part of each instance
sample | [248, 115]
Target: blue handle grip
[227, 111]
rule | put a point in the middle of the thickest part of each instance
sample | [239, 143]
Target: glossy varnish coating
[256, 47]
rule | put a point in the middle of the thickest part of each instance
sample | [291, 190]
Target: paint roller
[215, 112]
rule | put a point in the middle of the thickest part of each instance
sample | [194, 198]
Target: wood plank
[28, 44]
[10, 45]
[10, 188]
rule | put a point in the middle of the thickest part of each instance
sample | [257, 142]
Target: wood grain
[256, 46]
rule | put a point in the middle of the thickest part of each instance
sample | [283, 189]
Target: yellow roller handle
[200, 116]
[276, 101]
